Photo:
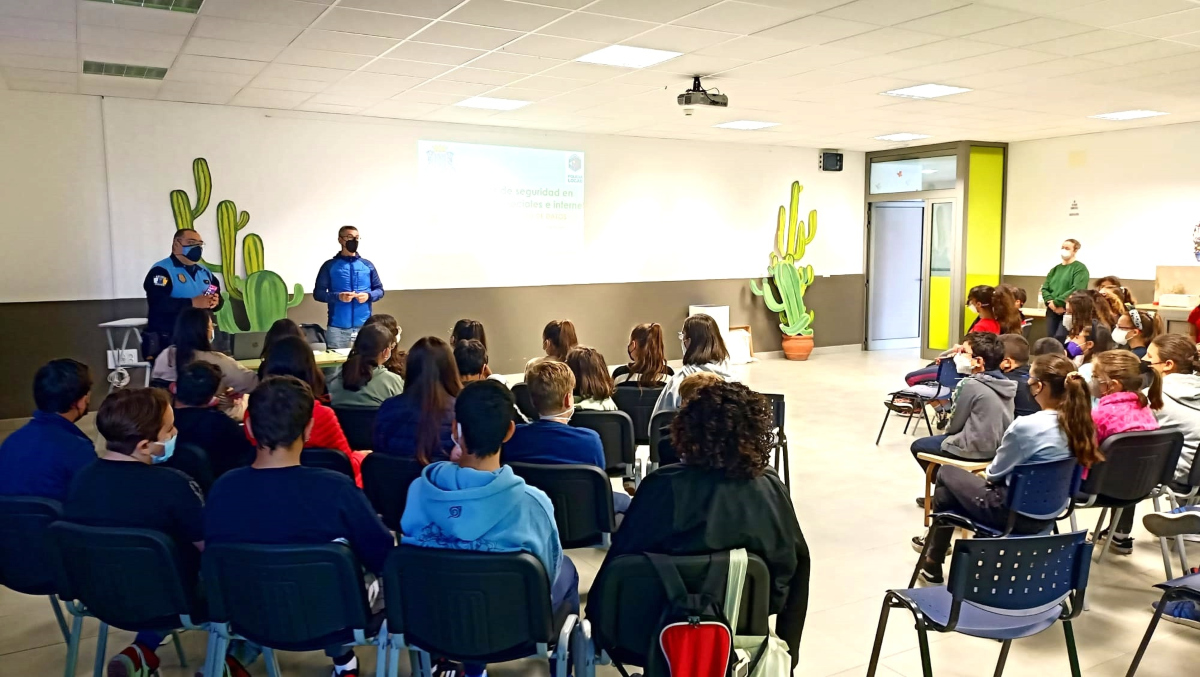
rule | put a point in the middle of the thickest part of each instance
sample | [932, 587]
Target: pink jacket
[1121, 413]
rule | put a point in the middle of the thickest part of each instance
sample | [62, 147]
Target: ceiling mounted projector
[698, 96]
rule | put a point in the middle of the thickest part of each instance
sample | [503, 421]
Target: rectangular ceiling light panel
[189, 6]
[121, 70]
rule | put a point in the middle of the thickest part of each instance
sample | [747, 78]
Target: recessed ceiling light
[930, 91]
[901, 136]
[492, 103]
[929, 171]
[628, 57]
[121, 70]
[189, 6]
[746, 124]
[1128, 115]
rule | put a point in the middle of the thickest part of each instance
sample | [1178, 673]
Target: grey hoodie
[668, 400]
[1181, 410]
[983, 410]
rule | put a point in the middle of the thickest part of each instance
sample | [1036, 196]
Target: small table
[324, 358]
[130, 327]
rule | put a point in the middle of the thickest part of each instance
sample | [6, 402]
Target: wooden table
[324, 358]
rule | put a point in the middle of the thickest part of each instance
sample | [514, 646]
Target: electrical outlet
[113, 356]
[129, 357]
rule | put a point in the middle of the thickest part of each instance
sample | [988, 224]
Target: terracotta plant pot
[797, 347]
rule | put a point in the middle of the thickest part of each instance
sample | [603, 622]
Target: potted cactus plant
[790, 278]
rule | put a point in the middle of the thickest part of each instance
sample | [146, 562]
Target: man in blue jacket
[349, 284]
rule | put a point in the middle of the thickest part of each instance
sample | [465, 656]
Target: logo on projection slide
[574, 169]
[439, 156]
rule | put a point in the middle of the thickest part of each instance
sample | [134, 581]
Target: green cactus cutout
[229, 224]
[792, 236]
[181, 205]
[267, 299]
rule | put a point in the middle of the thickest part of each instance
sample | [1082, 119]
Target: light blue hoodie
[458, 508]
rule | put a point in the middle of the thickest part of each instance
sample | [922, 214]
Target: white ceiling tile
[515, 63]
[120, 37]
[890, 12]
[422, 96]
[349, 43]
[968, 19]
[47, 48]
[37, 29]
[803, 5]
[596, 27]
[1188, 38]
[217, 64]
[196, 93]
[585, 71]
[48, 10]
[423, 51]
[268, 98]
[135, 18]
[286, 71]
[1039, 29]
[286, 12]
[1165, 25]
[125, 55]
[1145, 51]
[231, 49]
[331, 108]
[288, 84]
[176, 74]
[565, 4]
[450, 87]
[552, 84]
[107, 85]
[245, 31]
[369, 23]
[698, 64]
[374, 84]
[66, 87]
[482, 76]
[1057, 68]
[70, 65]
[739, 17]
[947, 50]
[465, 35]
[428, 9]
[886, 40]
[750, 48]
[325, 59]
[552, 47]
[40, 75]
[399, 109]
[1086, 43]
[1108, 13]
[417, 69]
[505, 14]
[679, 38]
[1171, 64]
[816, 30]
[880, 64]
[520, 94]
[660, 10]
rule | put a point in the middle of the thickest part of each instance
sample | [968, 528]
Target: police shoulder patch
[160, 280]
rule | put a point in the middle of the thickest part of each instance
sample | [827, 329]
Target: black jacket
[1023, 404]
[221, 438]
[681, 510]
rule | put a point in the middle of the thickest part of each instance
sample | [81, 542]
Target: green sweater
[1062, 280]
[383, 384]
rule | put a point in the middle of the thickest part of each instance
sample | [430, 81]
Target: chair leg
[383, 650]
[925, 415]
[101, 650]
[1183, 561]
[879, 632]
[272, 662]
[1072, 654]
[1112, 528]
[1137, 657]
[421, 665]
[394, 660]
[886, 414]
[1162, 545]
[1003, 658]
[1074, 523]
[179, 649]
[73, 646]
[210, 652]
[923, 641]
[929, 470]
[62, 621]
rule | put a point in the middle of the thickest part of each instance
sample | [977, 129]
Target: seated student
[1174, 356]
[363, 380]
[127, 488]
[1015, 367]
[475, 503]
[1135, 329]
[594, 386]
[277, 501]
[703, 350]
[1019, 299]
[192, 340]
[395, 363]
[466, 330]
[416, 423]
[1108, 308]
[1079, 341]
[44, 455]
[200, 424]
[1048, 345]
[1060, 429]
[983, 404]
[558, 338]
[647, 366]
[996, 309]
[1123, 407]
[1081, 312]
[472, 360]
[279, 329]
[687, 390]
[723, 495]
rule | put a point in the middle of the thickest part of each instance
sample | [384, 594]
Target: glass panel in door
[938, 263]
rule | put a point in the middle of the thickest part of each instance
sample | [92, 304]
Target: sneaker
[1178, 522]
[918, 545]
[931, 572]
[134, 661]
[921, 502]
[902, 407]
[1122, 545]
[350, 669]
[1182, 611]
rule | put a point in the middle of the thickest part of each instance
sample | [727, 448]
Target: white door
[894, 275]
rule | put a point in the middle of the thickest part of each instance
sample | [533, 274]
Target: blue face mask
[193, 253]
[168, 450]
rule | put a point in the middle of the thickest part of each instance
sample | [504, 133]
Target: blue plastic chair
[947, 377]
[1187, 587]
[1002, 589]
[1036, 491]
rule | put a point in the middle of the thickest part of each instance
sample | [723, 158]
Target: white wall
[1138, 193]
[656, 209]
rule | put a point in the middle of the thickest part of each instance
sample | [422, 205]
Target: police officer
[349, 284]
[173, 284]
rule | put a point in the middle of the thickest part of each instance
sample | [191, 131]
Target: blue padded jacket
[347, 274]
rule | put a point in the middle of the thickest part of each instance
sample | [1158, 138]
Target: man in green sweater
[1064, 279]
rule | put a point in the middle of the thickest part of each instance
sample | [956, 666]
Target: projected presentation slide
[502, 196]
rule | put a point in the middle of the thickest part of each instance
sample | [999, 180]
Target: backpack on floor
[694, 638]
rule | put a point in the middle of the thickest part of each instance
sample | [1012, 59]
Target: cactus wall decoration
[792, 279]
[263, 293]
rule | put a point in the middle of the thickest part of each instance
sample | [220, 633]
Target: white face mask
[683, 345]
[1120, 336]
[567, 413]
[1065, 253]
[1068, 322]
[963, 363]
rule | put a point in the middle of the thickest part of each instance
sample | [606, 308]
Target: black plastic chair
[582, 497]
[631, 601]
[660, 430]
[616, 435]
[329, 459]
[524, 400]
[1178, 493]
[385, 482]
[1001, 589]
[639, 403]
[358, 423]
[485, 607]
[1187, 587]
[290, 598]
[26, 557]
[947, 378]
[132, 579]
[780, 447]
[193, 461]
[1135, 465]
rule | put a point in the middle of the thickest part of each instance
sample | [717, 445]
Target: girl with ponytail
[365, 380]
[648, 360]
[558, 338]
[1062, 429]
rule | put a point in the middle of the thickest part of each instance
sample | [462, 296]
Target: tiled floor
[855, 503]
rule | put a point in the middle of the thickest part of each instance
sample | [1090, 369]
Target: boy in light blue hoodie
[474, 503]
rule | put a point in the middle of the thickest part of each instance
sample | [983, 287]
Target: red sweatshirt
[327, 434]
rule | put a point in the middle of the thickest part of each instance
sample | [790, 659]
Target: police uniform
[170, 287]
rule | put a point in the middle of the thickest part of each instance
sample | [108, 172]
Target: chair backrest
[358, 423]
[313, 333]
[1018, 573]
[947, 374]
[639, 403]
[26, 558]
[193, 461]
[132, 579]
[524, 400]
[1042, 491]
[632, 599]
[660, 429]
[582, 498]
[468, 606]
[385, 482]
[778, 410]
[1134, 464]
[330, 459]
[616, 435]
[288, 597]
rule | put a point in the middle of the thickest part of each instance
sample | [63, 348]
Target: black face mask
[352, 246]
[193, 253]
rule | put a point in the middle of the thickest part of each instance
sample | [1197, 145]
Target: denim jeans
[339, 337]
